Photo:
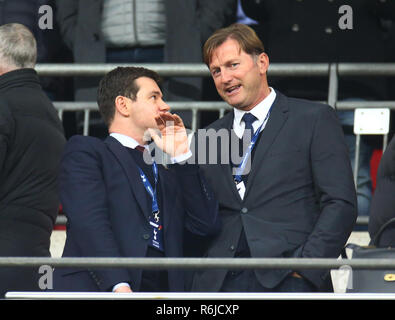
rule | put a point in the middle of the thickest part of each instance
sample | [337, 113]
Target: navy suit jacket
[108, 212]
[300, 198]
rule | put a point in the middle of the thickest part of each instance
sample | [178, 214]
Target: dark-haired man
[297, 198]
[120, 205]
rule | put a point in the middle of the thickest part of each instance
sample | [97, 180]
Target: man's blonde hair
[245, 36]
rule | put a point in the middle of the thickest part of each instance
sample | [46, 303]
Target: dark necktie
[248, 119]
[140, 148]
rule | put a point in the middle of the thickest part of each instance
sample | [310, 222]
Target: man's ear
[122, 106]
[263, 62]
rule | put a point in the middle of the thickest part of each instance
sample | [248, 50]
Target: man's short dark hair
[120, 82]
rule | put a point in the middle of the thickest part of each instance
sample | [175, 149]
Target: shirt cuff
[120, 285]
[181, 157]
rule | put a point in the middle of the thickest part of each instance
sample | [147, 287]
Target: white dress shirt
[129, 142]
[260, 111]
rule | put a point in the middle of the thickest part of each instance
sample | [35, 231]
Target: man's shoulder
[303, 107]
[222, 122]
[302, 103]
[83, 143]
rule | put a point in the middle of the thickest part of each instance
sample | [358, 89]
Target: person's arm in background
[66, 16]
[213, 15]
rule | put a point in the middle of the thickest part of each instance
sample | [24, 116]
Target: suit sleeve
[201, 207]
[332, 174]
[84, 200]
[6, 129]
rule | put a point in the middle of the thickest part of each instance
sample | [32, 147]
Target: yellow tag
[389, 277]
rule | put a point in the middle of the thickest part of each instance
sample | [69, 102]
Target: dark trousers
[154, 280]
[246, 281]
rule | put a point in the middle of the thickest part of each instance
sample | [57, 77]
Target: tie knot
[249, 119]
[140, 148]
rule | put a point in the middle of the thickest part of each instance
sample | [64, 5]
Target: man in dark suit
[121, 204]
[295, 197]
[31, 144]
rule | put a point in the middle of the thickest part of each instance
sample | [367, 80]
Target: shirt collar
[126, 141]
[260, 110]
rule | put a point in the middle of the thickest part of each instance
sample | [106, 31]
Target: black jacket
[382, 208]
[31, 143]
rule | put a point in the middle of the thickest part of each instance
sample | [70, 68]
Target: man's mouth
[232, 90]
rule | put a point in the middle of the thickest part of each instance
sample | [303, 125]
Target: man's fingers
[167, 120]
[178, 121]
[160, 122]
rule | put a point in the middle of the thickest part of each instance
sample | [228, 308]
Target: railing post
[86, 122]
[333, 85]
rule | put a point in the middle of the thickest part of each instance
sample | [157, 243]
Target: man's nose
[226, 76]
[164, 106]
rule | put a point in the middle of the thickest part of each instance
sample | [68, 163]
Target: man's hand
[173, 137]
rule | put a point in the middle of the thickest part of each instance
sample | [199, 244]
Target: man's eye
[215, 72]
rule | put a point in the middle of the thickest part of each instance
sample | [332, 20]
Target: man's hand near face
[173, 137]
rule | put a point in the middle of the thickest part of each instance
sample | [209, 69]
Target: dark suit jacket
[300, 197]
[31, 144]
[108, 212]
[382, 208]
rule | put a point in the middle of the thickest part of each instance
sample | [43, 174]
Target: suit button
[232, 248]
[244, 210]
[145, 236]
[96, 37]
[295, 27]
[328, 30]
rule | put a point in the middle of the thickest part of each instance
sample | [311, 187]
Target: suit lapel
[227, 168]
[277, 119]
[129, 166]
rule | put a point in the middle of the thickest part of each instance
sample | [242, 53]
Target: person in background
[140, 31]
[383, 202]
[31, 144]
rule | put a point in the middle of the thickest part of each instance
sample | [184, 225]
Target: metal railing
[199, 263]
